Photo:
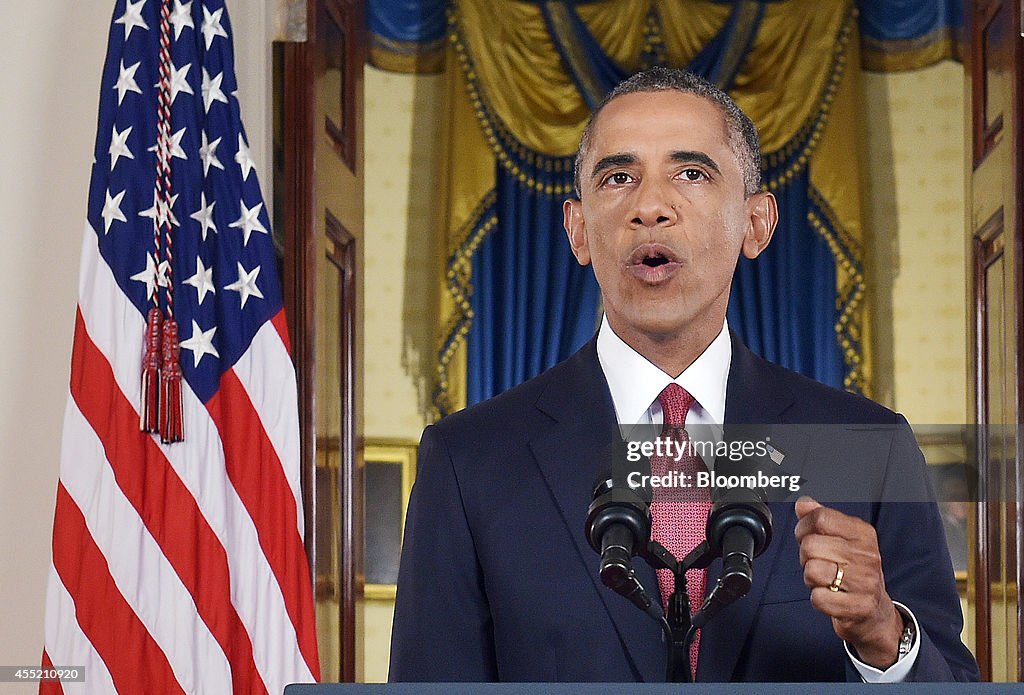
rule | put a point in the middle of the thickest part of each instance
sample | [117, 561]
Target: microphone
[739, 529]
[619, 527]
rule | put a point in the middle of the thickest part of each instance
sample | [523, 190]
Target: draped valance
[523, 78]
[409, 35]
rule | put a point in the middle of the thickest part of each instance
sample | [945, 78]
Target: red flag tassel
[150, 416]
[171, 416]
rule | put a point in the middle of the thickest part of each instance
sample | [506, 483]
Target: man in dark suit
[497, 581]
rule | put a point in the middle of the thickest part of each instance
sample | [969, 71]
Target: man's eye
[620, 178]
[693, 174]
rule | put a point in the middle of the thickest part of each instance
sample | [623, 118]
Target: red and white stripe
[180, 567]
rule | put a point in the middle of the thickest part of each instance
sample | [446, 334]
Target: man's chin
[661, 328]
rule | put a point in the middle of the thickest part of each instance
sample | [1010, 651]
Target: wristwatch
[908, 636]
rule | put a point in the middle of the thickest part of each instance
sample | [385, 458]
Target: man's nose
[654, 204]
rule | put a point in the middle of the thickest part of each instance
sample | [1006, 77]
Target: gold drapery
[511, 98]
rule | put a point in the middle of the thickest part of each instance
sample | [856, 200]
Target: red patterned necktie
[680, 514]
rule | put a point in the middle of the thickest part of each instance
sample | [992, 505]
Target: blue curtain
[783, 305]
[909, 34]
[909, 20]
[533, 304]
[407, 21]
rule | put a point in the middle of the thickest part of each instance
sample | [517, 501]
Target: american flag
[178, 567]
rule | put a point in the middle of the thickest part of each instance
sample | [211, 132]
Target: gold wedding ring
[838, 581]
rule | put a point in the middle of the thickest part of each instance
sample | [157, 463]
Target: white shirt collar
[635, 382]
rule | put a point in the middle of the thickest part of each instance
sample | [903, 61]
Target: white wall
[404, 119]
[914, 127]
[52, 52]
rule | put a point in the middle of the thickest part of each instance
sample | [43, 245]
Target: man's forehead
[668, 107]
[667, 120]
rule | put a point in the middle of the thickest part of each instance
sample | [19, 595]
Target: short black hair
[743, 137]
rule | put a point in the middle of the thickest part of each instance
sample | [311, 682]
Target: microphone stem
[690, 634]
[679, 622]
[667, 637]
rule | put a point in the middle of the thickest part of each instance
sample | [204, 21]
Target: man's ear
[763, 212]
[576, 230]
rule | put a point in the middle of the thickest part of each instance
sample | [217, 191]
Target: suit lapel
[755, 401]
[570, 455]
[754, 394]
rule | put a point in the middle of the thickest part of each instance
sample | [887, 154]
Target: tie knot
[675, 403]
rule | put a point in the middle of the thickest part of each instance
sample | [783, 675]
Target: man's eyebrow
[611, 161]
[686, 156]
[626, 158]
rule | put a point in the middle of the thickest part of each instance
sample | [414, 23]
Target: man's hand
[862, 612]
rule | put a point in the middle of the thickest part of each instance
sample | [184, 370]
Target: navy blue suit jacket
[497, 581]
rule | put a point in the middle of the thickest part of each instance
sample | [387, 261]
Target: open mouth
[653, 263]
[652, 255]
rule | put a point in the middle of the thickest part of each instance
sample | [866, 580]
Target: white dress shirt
[635, 384]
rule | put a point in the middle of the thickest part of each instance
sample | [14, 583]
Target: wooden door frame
[1000, 236]
[302, 246]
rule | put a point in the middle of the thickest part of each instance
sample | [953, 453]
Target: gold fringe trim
[849, 296]
[505, 146]
[412, 57]
[458, 278]
[806, 139]
[897, 55]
